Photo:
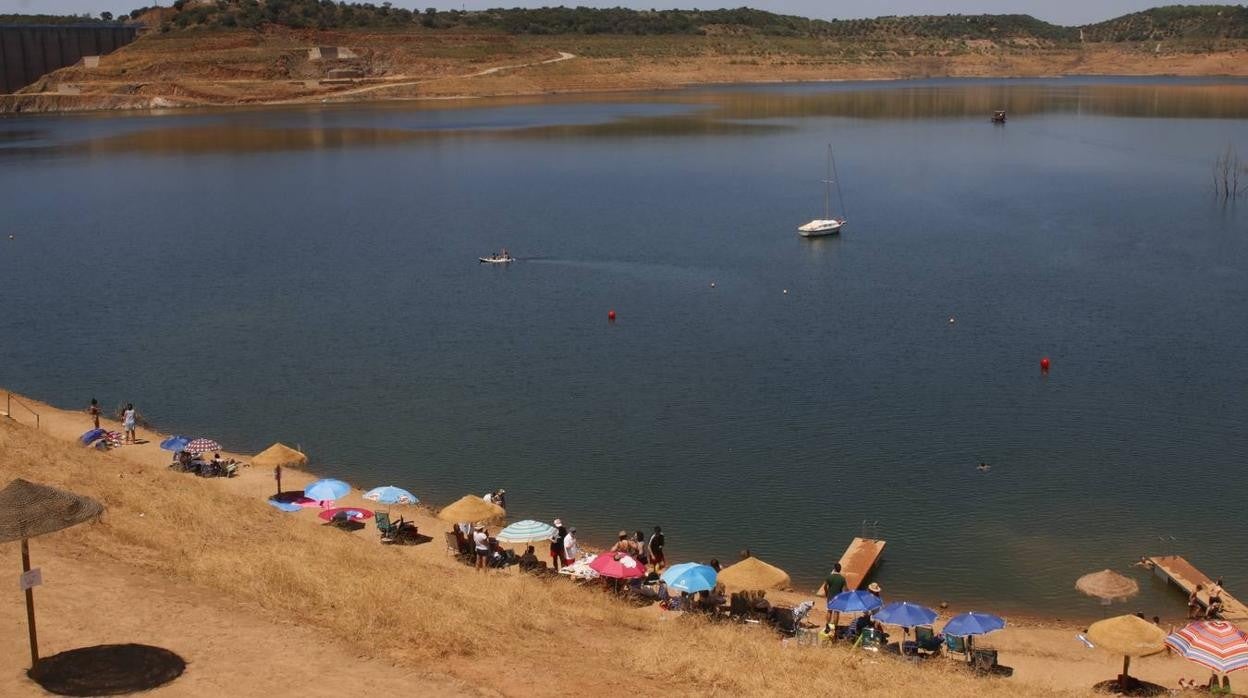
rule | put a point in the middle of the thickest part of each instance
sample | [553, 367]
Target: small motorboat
[503, 257]
[998, 116]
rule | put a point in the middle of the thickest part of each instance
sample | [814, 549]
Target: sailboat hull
[820, 228]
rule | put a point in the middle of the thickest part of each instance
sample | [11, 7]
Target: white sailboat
[826, 225]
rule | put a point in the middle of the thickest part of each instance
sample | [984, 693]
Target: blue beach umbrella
[690, 577]
[526, 531]
[175, 443]
[906, 614]
[91, 436]
[390, 495]
[973, 623]
[326, 490]
[854, 602]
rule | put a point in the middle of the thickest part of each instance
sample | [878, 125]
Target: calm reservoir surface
[310, 275]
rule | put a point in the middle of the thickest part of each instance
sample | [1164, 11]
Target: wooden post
[277, 475]
[30, 607]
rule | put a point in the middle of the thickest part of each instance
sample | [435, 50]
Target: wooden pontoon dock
[859, 558]
[1185, 576]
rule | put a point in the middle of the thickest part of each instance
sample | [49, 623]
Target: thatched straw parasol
[752, 573]
[1107, 586]
[28, 510]
[1130, 636]
[471, 508]
[279, 454]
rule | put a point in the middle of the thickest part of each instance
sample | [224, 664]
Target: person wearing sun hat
[556, 545]
[874, 588]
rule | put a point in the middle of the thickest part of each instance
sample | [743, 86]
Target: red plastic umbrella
[349, 513]
[617, 566]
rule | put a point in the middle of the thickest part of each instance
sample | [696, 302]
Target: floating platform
[1185, 576]
[859, 559]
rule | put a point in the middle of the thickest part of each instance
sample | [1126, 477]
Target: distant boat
[503, 257]
[998, 116]
[826, 225]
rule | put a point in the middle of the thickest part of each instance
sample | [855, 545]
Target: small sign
[32, 579]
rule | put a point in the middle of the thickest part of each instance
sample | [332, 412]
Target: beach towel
[283, 506]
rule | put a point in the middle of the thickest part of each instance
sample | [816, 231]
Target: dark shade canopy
[28, 510]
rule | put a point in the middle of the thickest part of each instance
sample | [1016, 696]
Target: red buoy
[1044, 364]
[611, 315]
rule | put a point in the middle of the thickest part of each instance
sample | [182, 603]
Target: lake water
[310, 275]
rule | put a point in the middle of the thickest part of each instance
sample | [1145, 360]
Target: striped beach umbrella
[527, 531]
[1214, 643]
[198, 446]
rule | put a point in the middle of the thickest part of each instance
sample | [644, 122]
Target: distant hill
[1174, 22]
[1196, 22]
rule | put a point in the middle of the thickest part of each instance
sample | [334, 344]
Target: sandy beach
[206, 568]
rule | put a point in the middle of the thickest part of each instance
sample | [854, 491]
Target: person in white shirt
[488, 497]
[571, 550]
[481, 545]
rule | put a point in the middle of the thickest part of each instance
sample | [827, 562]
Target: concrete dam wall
[28, 51]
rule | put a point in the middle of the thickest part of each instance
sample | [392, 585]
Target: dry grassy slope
[239, 67]
[514, 634]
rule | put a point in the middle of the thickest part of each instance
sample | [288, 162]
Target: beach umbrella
[1129, 636]
[905, 614]
[854, 602]
[1108, 586]
[471, 508]
[1214, 643]
[390, 495]
[972, 623]
[527, 531]
[617, 566]
[326, 490]
[198, 446]
[175, 443]
[349, 513]
[28, 510]
[279, 454]
[752, 573]
[690, 577]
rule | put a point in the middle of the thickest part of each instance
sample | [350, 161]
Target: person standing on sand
[833, 585]
[643, 554]
[94, 411]
[128, 418]
[656, 544]
[556, 545]
[481, 544]
[570, 548]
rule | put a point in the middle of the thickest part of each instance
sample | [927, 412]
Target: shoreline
[298, 477]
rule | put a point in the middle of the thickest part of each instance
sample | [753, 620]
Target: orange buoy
[611, 315]
[1044, 364]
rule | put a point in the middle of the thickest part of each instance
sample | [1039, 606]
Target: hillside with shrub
[1175, 22]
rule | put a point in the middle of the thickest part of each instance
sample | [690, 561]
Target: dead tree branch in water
[1226, 174]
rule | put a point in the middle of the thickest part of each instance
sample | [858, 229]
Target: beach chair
[391, 532]
[870, 640]
[452, 544]
[955, 644]
[984, 661]
[927, 641]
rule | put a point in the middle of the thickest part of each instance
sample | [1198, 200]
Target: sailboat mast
[827, 188]
[836, 178]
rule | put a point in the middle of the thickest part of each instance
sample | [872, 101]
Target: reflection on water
[708, 112]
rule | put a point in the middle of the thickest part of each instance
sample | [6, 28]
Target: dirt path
[563, 56]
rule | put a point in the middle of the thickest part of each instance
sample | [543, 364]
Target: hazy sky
[1059, 11]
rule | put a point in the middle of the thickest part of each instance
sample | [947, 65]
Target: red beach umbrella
[350, 513]
[617, 566]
